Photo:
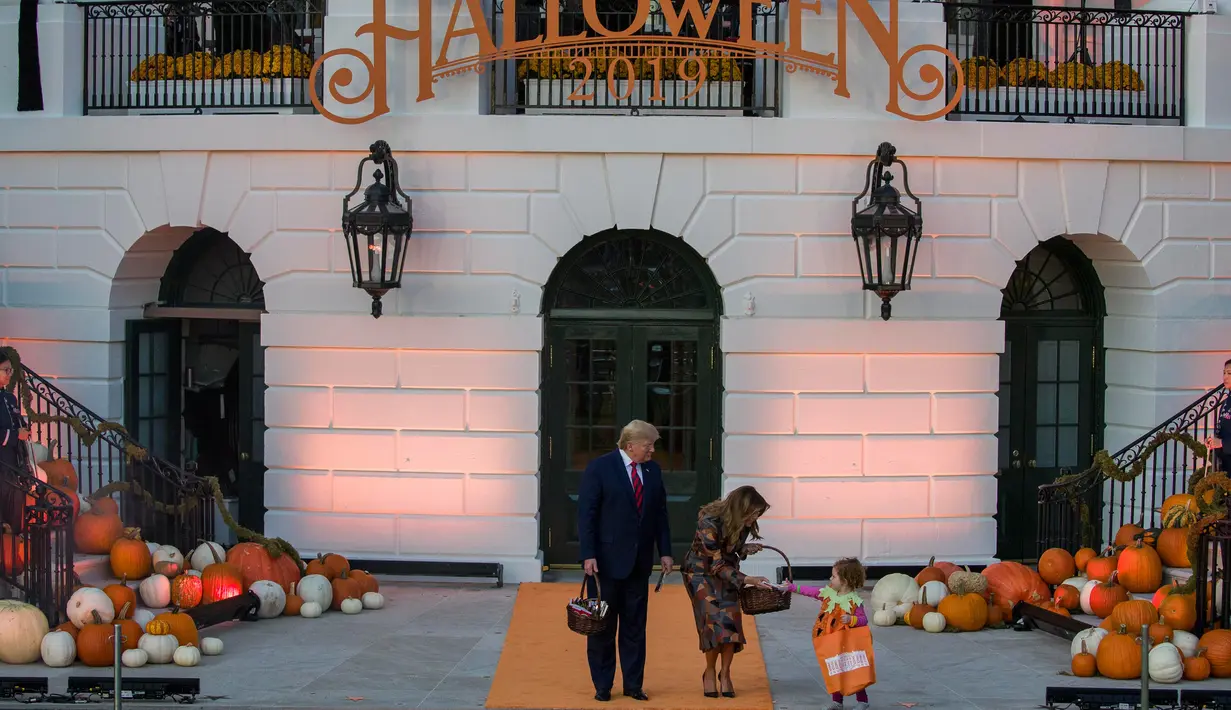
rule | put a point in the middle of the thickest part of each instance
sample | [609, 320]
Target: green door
[601, 375]
[250, 437]
[153, 399]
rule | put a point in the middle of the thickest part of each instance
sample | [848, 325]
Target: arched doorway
[1051, 384]
[195, 378]
[631, 324]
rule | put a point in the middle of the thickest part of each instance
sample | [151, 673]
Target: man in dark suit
[622, 516]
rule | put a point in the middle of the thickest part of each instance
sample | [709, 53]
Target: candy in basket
[587, 615]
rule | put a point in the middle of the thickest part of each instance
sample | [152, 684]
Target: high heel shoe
[727, 693]
[708, 693]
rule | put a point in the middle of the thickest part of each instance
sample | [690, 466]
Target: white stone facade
[416, 435]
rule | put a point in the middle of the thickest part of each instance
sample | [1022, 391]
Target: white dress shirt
[628, 468]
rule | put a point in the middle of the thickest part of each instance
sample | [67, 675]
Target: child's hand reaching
[846, 619]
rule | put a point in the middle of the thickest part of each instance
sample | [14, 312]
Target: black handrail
[36, 550]
[170, 505]
[1110, 504]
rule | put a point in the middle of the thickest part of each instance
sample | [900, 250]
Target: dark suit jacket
[609, 527]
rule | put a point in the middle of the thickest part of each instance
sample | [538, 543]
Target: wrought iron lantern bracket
[886, 232]
[377, 229]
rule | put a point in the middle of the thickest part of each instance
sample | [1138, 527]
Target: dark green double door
[598, 377]
[1047, 411]
[157, 384]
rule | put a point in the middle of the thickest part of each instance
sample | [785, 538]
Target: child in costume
[841, 597]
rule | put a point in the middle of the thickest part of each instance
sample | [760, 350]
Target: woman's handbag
[587, 615]
[755, 600]
[844, 654]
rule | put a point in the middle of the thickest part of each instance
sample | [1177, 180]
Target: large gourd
[22, 628]
[889, 591]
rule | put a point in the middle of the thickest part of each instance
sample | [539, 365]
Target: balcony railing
[36, 542]
[245, 56]
[641, 74]
[1063, 64]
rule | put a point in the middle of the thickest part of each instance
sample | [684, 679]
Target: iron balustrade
[36, 551]
[1055, 63]
[169, 505]
[1213, 596]
[235, 56]
[1111, 504]
[655, 70]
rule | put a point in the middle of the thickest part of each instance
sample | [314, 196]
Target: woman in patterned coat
[712, 577]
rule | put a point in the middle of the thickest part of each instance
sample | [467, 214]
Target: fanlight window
[211, 270]
[632, 271]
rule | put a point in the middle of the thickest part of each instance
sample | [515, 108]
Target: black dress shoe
[637, 694]
[602, 695]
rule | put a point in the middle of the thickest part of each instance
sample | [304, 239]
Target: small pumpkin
[294, 603]
[211, 646]
[930, 573]
[1185, 641]
[1134, 613]
[1179, 516]
[59, 649]
[1179, 611]
[130, 556]
[373, 600]
[96, 642]
[995, 613]
[1159, 633]
[882, 617]
[95, 531]
[1066, 597]
[1082, 557]
[914, 617]
[156, 591]
[186, 591]
[1140, 569]
[316, 588]
[1101, 568]
[936, 591]
[964, 581]
[206, 554]
[967, 612]
[1083, 664]
[84, 602]
[168, 561]
[310, 610]
[1127, 534]
[344, 588]
[1104, 596]
[1056, 565]
[1119, 656]
[1165, 664]
[122, 597]
[181, 626]
[1172, 547]
[272, 597]
[1087, 638]
[158, 644]
[934, 622]
[1163, 591]
[187, 656]
[130, 631]
[69, 628]
[134, 658]
[351, 605]
[367, 583]
[1196, 666]
[1179, 499]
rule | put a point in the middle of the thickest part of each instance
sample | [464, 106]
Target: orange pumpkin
[95, 643]
[1127, 534]
[1197, 667]
[69, 627]
[1056, 565]
[60, 474]
[367, 583]
[122, 597]
[1184, 499]
[70, 497]
[1179, 611]
[1101, 567]
[1067, 597]
[317, 566]
[294, 603]
[1013, 582]
[186, 591]
[1217, 645]
[106, 505]
[182, 627]
[130, 556]
[12, 552]
[1172, 547]
[967, 612]
[1162, 593]
[346, 588]
[130, 631]
[256, 563]
[96, 532]
[1141, 571]
[1158, 634]
[220, 580]
[1082, 557]
[1119, 656]
[931, 573]
[336, 563]
[1083, 664]
[1106, 595]
[995, 615]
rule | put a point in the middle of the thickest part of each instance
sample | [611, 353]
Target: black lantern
[886, 232]
[377, 229]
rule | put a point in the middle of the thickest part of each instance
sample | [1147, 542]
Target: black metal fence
[1110, 504]
[1022, 62]
[1213, 597]
[170, 506]
[641, 74]
[36, 542]
[237, 56]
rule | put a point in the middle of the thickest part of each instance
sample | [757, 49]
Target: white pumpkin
[316, 588]
[187, 656]
[211, 646]
[83, 506]
[934, 591]
[202, 557]
[59, 649]
[901, 609]
[42, 455]
[1077, 583]
[22, 628]
[1092, 636]
[159, 649]
[351, 606]
[153, 547]
[168, 561]
[143, 617]
[373, 600]
[310, 610]
[934, 622]
[86, 601]
[155, 591]
[134, 658]
[193, 573]
[272, 596]
[1085, 597]
[884, 617]
[1166, 664]
[893, 589]
[1185, 641]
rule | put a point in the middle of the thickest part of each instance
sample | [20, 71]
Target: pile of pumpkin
[946, 597]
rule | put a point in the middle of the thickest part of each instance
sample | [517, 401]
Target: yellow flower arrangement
[197, 66]
[1073, 75]
[154, 68]
[1118, 76]
[286, 61]
[980, 73]
[242, 64]
[1025, 72]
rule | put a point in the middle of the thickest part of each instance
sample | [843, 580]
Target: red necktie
[637, 492]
